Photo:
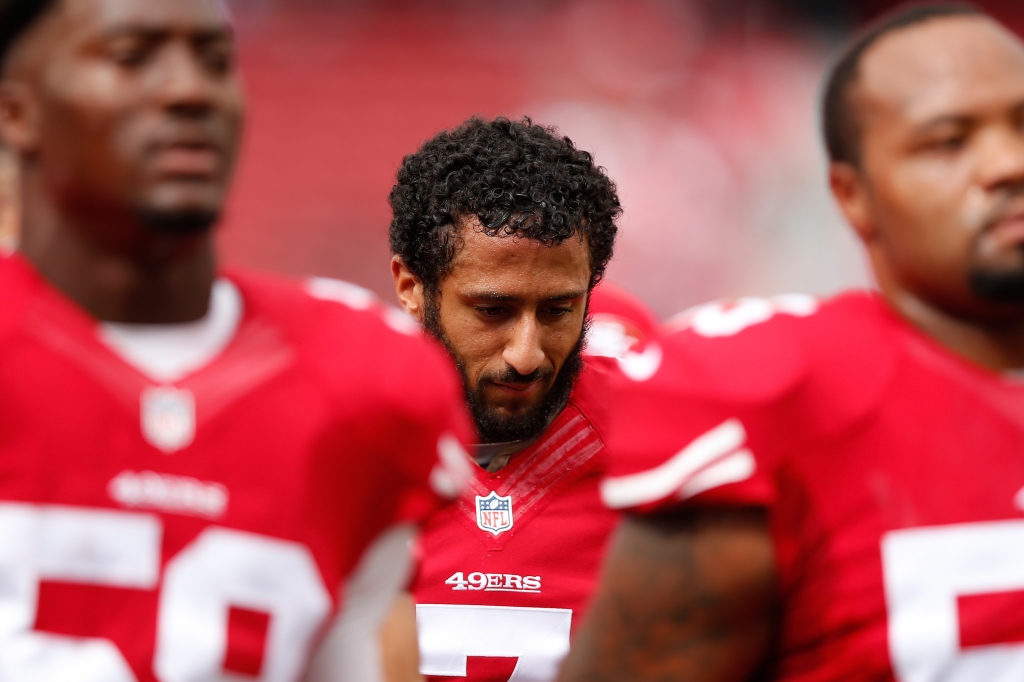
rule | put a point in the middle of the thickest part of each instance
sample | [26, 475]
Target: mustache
[510, 376]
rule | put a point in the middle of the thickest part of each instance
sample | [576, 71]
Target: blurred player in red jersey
[618, 322]
[203, 475]
[501, 230]
[826, 491]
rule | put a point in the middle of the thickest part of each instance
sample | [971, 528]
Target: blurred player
[618, 322]
[501, 230]
[198, 471]
[836, 490]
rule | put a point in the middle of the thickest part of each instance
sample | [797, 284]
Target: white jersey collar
[167, 352]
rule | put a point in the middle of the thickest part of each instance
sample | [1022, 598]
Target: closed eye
[947, 144]
[217, 55]
[129, 52]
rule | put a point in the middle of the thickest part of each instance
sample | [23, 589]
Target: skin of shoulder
[686, 597]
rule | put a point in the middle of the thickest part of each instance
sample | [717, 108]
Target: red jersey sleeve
[695, 413]
[618, 322]
[432, 454]
[404, 397]
[712, 410]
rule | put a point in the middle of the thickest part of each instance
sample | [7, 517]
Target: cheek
[87, 99]
[232, 105]
[924, 190]
[87, 132]
[921, 209]
[562, 339]
[479, 347]
[99, 104]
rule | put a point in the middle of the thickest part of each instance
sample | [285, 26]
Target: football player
[501, 230]
[835, 490]
[204, 475]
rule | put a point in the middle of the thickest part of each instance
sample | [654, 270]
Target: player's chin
[185, 195]
[999, 282]
[182, 210]
[510, 412]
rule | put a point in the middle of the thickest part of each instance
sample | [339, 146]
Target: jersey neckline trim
[166, 353]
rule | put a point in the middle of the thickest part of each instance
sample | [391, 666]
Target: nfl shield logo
[494, 513]
[168, 417]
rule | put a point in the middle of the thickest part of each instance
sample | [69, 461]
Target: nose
[1001, 161]
[523, 351]
[183, 84]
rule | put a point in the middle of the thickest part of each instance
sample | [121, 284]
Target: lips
[1008, 231]
[1006, 226]
[518, 391]
[187, 149]
[187, 159]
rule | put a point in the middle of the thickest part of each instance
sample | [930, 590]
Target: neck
[996, 344]
[129, 273]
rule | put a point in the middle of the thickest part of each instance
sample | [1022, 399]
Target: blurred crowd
[703, 112]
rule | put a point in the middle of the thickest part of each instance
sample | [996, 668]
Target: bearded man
[501, 231]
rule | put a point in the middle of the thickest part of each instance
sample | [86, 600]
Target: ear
[19, 117]
[854, 200]
[408, 288]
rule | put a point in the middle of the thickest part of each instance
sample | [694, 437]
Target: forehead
[113, 15]
[519, 266]
[946, 66]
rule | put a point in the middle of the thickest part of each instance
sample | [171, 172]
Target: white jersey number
[728, 318]
[925, 570]
[449, 634]
[221, 568]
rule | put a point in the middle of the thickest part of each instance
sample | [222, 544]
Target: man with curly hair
[501, 230]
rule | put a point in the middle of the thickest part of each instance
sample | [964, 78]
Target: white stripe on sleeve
[710, 460]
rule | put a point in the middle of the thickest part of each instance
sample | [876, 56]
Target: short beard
[182, 223]
[998, 286]
[493, 427]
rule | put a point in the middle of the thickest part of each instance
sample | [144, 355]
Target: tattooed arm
[690, 597]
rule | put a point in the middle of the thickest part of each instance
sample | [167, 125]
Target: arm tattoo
[688, 597]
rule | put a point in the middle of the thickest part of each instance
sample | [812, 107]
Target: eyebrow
[949, 119]
[203, 33]
[509, 298]
[959, 119]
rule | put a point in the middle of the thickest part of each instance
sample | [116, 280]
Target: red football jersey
[507, 572]
[208, 529]
[893, 471]
[618, 321]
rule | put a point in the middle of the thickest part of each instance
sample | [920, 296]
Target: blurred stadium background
[703, 112]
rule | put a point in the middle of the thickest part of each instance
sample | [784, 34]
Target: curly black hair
[516, 177]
